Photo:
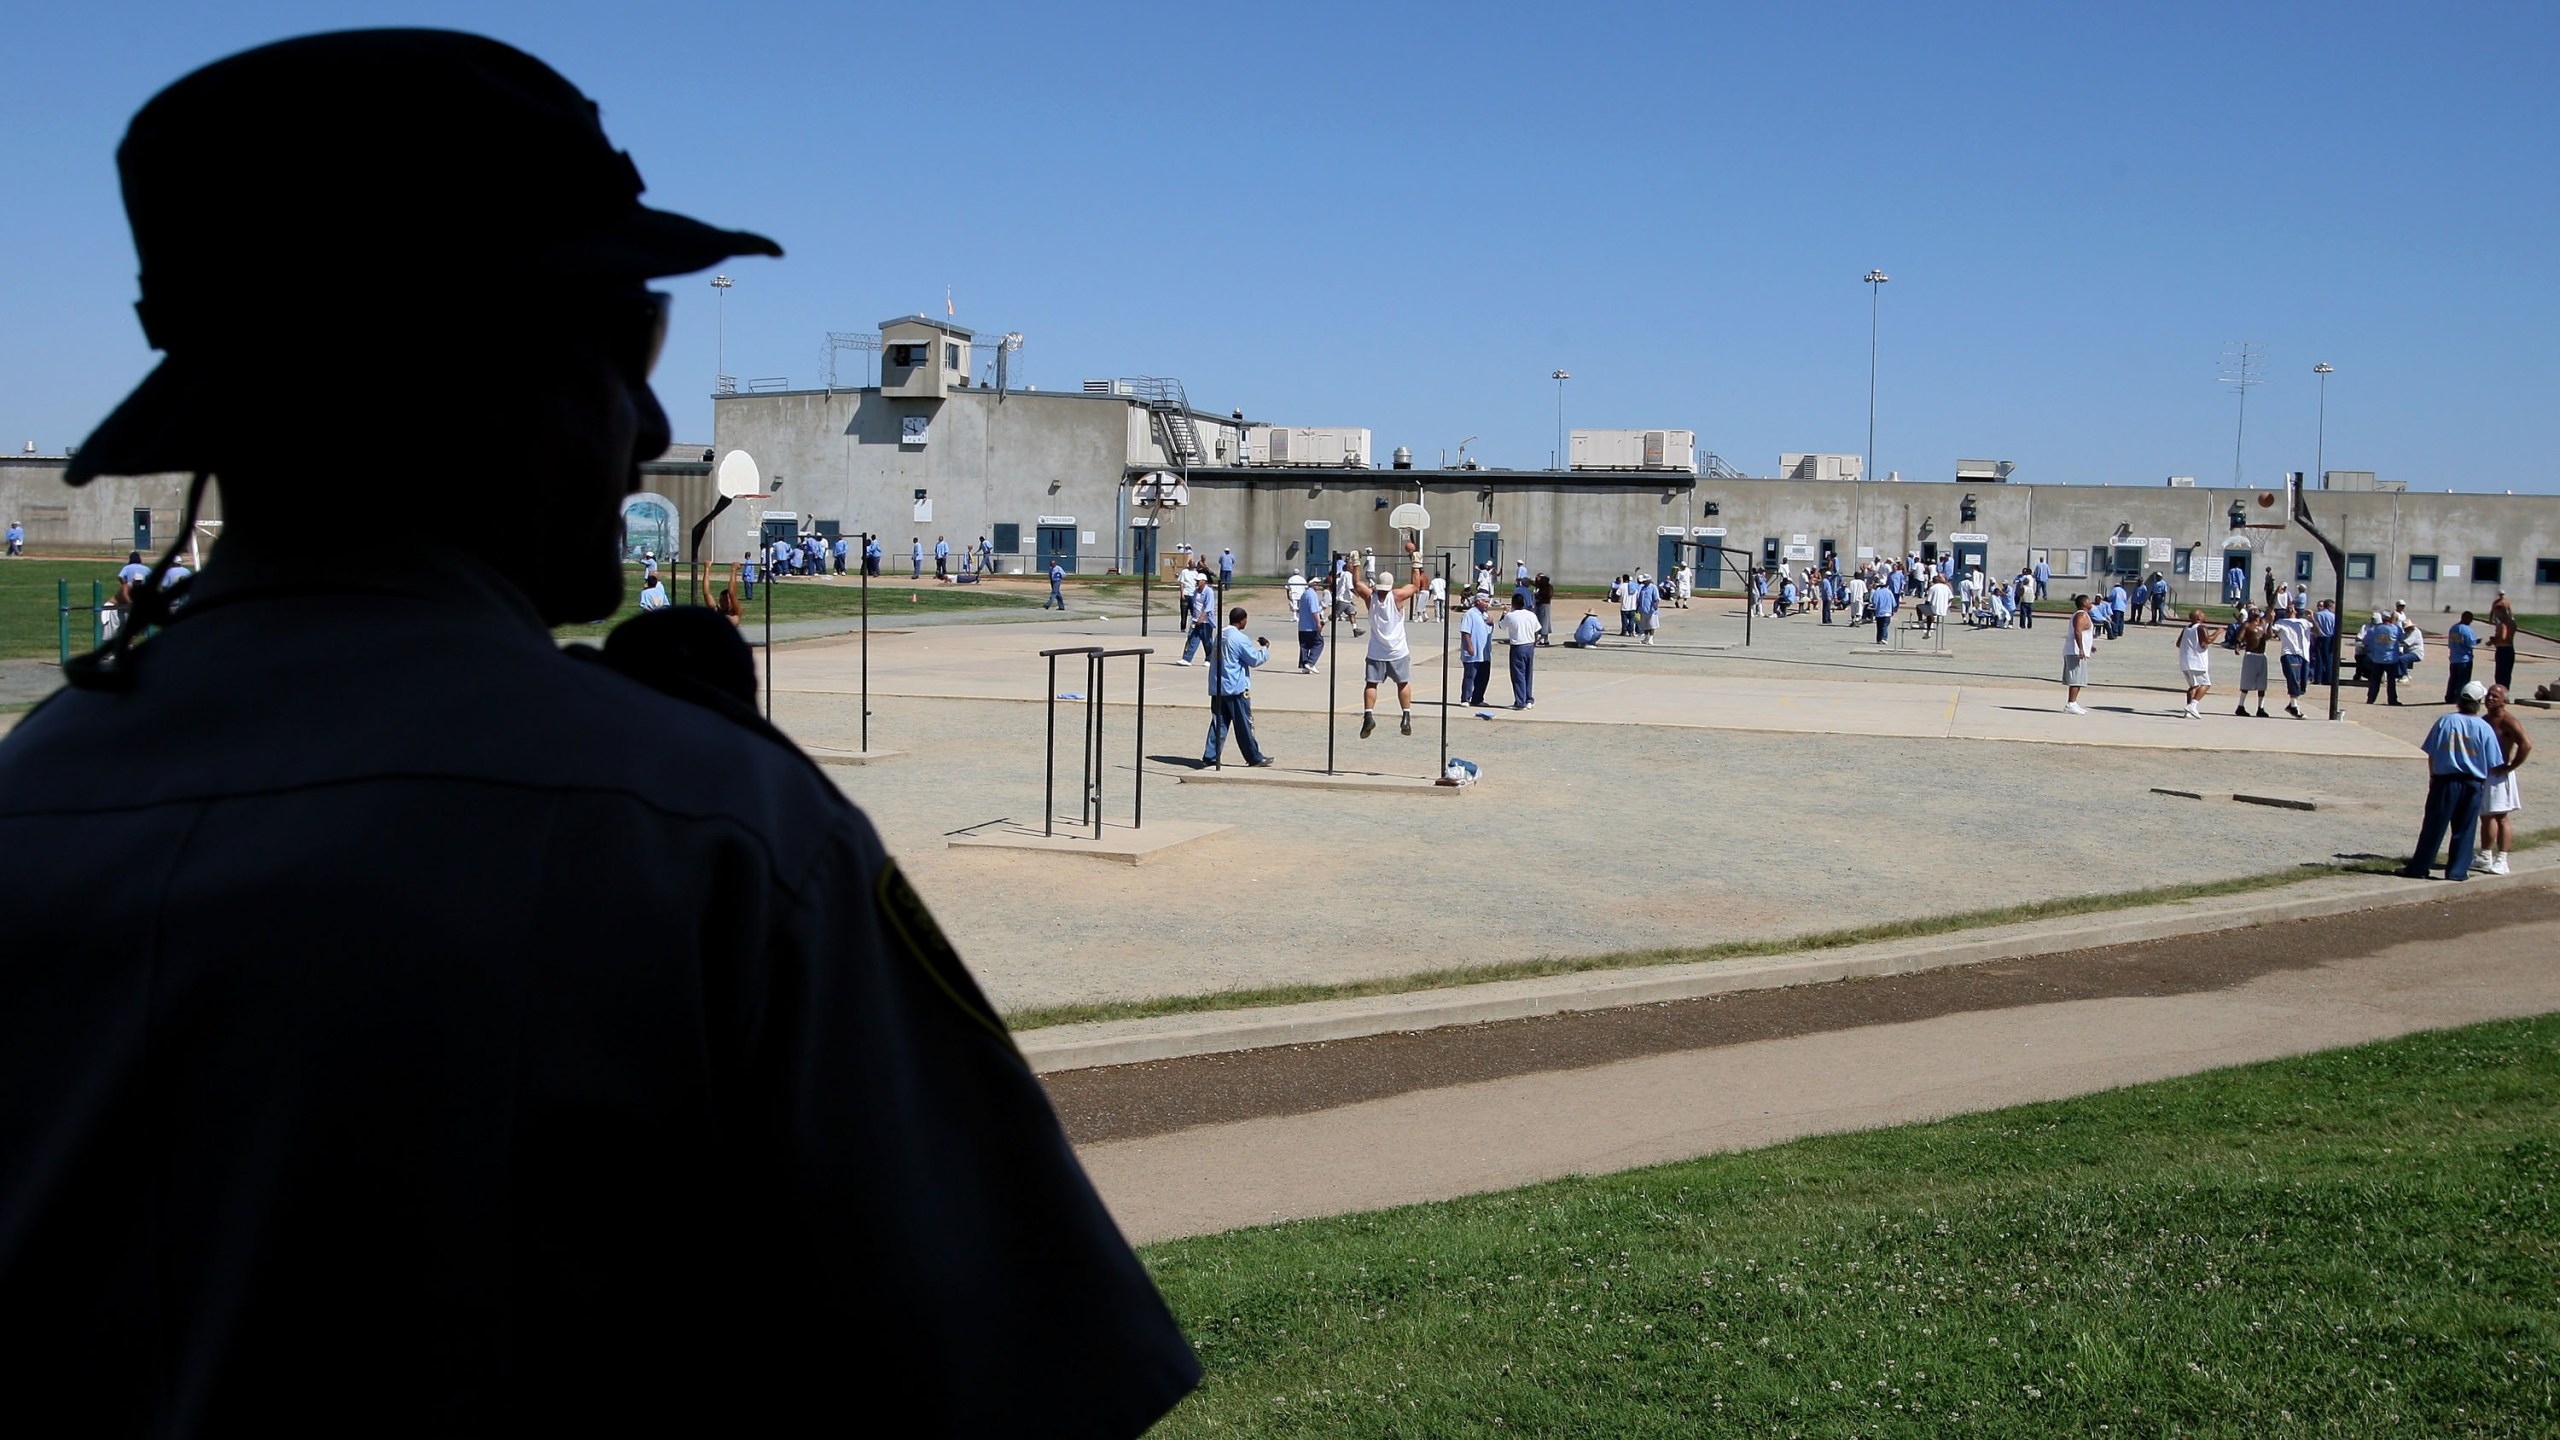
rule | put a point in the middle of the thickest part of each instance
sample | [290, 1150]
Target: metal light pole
[1875, 304]
[1563, 461]
[720, 384]
[2320, 450]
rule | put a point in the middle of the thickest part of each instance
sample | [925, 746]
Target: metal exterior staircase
[1716, 467]
[1164, 398]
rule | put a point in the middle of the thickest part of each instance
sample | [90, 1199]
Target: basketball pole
[866, 645]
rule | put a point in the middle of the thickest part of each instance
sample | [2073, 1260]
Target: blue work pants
[1203, 637]
[1310, 647]
[2453, 811]
[1235, 710]
[1522, 656]
[1473, 676]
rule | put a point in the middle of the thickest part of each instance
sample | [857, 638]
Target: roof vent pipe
[1404, 457]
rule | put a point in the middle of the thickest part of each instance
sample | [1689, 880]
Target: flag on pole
[947, 311]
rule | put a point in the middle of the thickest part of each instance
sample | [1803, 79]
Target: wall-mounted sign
[914, 429]
[1319, 524]
[1488, 527]
[1964, 539]
[2204, 565]
[1669, 530]
[2159, 549]
[1057, 519]
[1708, 530]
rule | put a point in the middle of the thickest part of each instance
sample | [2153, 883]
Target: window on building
[2546, 572]
[907, 356]
[2181, 559]
[2488, 570]
[951, 357]
[2301, 564]
[2422, 568]
[2359, 567]
[2128, 560]
[1008, 539]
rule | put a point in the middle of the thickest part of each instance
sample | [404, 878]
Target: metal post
[1091, 720]
[1146, 581]
[1096, 665]
[866, 643]
[1217, 650]
[1444, 671]
[62, 597]
[1049, 790]
[1138, 780]
[97, 614]
[769, 582]
[1333, 677]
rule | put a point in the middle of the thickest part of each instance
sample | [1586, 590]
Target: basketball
[2266, 500]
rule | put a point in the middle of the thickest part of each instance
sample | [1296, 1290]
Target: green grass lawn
[2363, 1242]
[30, 614]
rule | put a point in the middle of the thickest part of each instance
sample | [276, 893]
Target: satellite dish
[1410, 516]
[737, 476]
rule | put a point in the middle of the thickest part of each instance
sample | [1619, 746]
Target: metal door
[1142, 550]
[1830, 553]
[1489, 551]
[1058, 546]
[2238, 559]
[782, 529]
[1319, 556]
[1666, 555]
[142, 529]
[1972, 555]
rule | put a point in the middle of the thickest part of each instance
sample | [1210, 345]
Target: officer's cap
[310, 187]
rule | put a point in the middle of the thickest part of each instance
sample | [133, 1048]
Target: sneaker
[2072, 707]
[1406, 724]
[1262, 764]
[2263, 715]
[1368, 724]
[2242, 712]
[2294, 710]
[1182, 662]
[1532, 705]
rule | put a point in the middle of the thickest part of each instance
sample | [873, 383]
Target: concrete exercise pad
[1118, 842]
[997, 663]
[1318, 780]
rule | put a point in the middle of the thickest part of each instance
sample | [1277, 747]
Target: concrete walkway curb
[1125, 1042]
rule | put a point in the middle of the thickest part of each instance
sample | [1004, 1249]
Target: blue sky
[1406, 216]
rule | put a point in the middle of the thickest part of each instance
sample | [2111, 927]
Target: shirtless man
[2499, 805]
[2253, 661]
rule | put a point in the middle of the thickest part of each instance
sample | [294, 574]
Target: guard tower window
[906, 356]
[951, 357]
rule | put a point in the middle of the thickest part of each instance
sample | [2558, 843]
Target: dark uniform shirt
[409, 1028]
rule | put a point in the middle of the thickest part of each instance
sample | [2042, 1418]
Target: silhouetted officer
[407, 1026]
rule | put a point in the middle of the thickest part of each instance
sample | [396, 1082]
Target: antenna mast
[2243, 366]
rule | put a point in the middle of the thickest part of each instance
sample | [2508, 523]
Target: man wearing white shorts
[2079, 642]
[2195, 657]
[2502, 800]
[1390, 658]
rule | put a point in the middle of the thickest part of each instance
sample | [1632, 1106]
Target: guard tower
[922, 358]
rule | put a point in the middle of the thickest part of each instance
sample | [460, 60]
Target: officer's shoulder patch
[911, 924]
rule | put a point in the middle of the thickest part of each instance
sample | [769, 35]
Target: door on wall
[1489, 551]
[1830, 554]
[1769, 553]
[1319, 556]
[1057, 546]
[779, 527]
[1666, 555]
[2236, 560]
[1142, 549]
[1972, 555]
[142, 529]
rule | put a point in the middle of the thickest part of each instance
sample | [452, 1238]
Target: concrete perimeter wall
[97, 518]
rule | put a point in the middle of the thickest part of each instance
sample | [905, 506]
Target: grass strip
[1538, 967]
[2360, 1242]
